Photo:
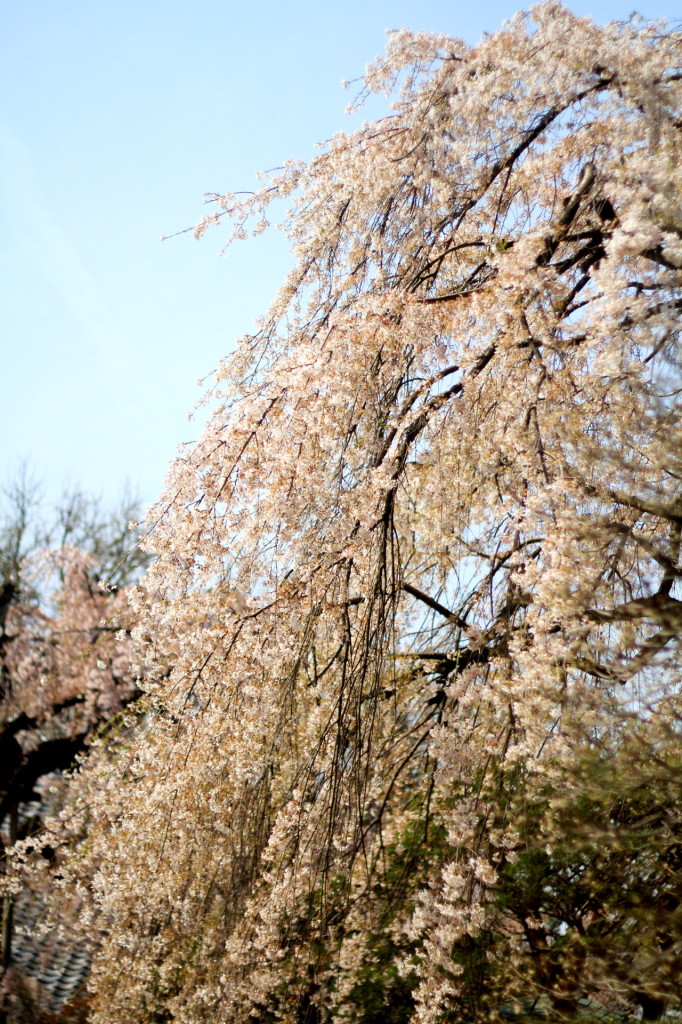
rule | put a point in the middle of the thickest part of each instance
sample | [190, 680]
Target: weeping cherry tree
[412, 749]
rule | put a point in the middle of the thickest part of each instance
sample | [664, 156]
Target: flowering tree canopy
[417, 757]
[64, 668]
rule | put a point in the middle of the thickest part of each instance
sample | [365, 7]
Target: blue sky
[116, 118]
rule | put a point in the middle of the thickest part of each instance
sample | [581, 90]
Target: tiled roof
[56, 958]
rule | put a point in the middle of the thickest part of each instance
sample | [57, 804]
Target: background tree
[418, 754]
[66, 667]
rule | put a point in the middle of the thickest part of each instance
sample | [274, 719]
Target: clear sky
[116, 118]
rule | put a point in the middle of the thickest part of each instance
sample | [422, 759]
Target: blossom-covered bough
[418, 754]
